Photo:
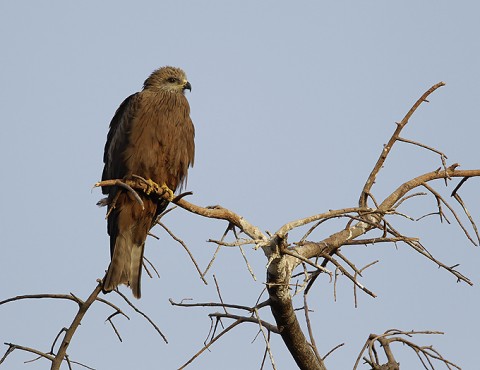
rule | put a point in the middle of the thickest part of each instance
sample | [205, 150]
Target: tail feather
[125, 267]
[128, 226]
[136, 264]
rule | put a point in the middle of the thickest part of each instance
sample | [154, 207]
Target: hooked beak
[187, 86]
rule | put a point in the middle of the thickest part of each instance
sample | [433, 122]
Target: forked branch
[388, 147]
[427, 355]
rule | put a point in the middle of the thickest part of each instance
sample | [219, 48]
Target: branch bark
[335, 241]
[278, 280]
[83, 307]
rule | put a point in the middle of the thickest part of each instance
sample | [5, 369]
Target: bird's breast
[157, 143]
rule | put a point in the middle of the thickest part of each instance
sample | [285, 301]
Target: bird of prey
[151, 135]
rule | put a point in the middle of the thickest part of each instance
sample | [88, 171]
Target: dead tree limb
[82, 310]
[283, 258]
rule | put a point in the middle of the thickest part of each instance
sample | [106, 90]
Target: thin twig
[462, 181]
[315, 225]
[211, 304]
[219, 294]
[266, 338]
[388, 147]
[408, 197]
[360, 273]
[265, 353]
[141, 313]
[52, 348]
[145, 259]
[13, 347]
[250, 269]
[236, 243]
[209, 344]
[469, 216]
[109, 319]
[442, 155]
[348, 275]
[217, 250]
[332, 350]
[250, 319]
[417, 246]
[161, 215]
[309, 328]
[440, 199]
[182, 243]
[378, 240]
[348, 262]
[330, 214]
[82, 310]
[294, 253]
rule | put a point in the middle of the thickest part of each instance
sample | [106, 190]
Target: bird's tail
[126, 266]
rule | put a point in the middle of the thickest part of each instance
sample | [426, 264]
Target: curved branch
[335, 241]
[213, 340]
[217, 212]
[394, 335]
[420, 180]
[62, 350]
[254, 320]
[388, 147]
[330, 214]
[12, 347]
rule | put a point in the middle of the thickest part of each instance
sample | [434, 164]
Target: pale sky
[292, 103]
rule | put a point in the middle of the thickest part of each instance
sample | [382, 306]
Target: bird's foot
[168, 191]
[152, 187]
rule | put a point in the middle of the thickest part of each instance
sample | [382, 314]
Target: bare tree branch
[182, 243]
[142, 314]
[265, 337]
[230, 227]
[309, 328]
[442, 155]
[474, 226]
[392, 336]
[387, 148]
[84, 306]
[212, 304]
[210, 343]
[440, 200]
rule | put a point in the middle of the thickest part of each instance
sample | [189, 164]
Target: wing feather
[117, 140]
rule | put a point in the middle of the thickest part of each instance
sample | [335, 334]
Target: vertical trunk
[278, 279]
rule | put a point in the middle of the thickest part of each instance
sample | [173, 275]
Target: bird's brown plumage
[151, 135]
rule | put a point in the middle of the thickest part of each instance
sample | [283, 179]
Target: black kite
[152, 136]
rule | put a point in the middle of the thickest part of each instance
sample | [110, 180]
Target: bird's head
[169, 79]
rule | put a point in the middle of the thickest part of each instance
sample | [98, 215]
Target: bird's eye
[172, 80]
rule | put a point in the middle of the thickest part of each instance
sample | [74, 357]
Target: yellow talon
[167, 190]
[152, 187]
